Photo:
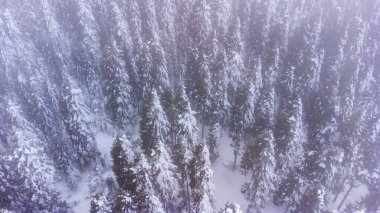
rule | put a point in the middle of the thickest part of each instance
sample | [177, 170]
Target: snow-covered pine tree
[123, 202]
[290, 140]
[120, 29]
[166, 12]
[159, 72]
[153, 60]
[168, 105]
[87, 56]
[313, 199]
[186, 138]
[185, 125]
[314, 172]
[181, 156]
[121, 164]
[212, 141]
[231, 208]
[219, 88]
[221, 12]
[26, 172]
[234, 49]
[263, 181]
[165, 179]
[201, 186]
[291, 136]
[117, 88]
[149, 30]
[236, 125]
[77, 120]
[199, 24]
[265, 108]
[152, 69]
[154, 126]
[198, 84]
[309, 54]
[145, 197]
[124, 174]
[241, 117]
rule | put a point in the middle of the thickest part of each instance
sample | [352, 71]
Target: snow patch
[104, 142]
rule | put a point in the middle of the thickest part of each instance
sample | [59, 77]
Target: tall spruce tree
[117, 88]
[153, 124]
[77, 121]
[263, 181]
[201, 186]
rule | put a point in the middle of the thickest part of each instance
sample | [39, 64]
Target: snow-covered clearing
[228, 183]
[80, 198]
[104, 142]
[355, 195]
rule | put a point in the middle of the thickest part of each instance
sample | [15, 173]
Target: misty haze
[189, 106]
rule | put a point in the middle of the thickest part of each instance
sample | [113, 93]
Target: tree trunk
[235, 159]
[345, 196]
[203, 129]
[203, 124]
[338, 193]
[188, 192]
[236, 152]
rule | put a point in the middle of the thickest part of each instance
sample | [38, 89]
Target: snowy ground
[80, 198]
[227, 183]
[355, 195]
[104, 142]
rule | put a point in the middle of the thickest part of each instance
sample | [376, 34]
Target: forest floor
[227, 182]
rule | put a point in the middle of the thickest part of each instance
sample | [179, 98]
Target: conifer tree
[212, 141]
[165, 179]
[291, 137]
[124, 174]
[153, 124]
[185, 126]
[234, 50]
[263, 180]
[231, 208]
[199, 23]
[87, 54]
[199, 86]
[26, 172]
[145, 197]
[201, 185]
[241, 117]
[77, 121]
[117, 88]
[122, 165]
[220, 99]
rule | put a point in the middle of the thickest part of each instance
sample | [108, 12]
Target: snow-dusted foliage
[145, 198]
[231, 208]
[153, 124]
[27, 176]
[117, 85]
[185, 126]
[293, 83]
[259, 158]
[201, 185]
[77, 121]
[165, 179]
